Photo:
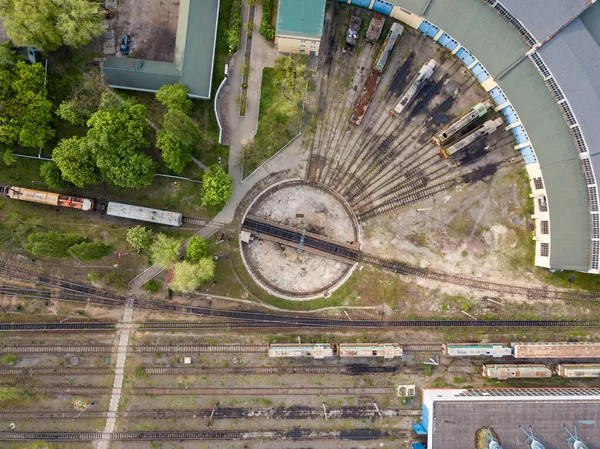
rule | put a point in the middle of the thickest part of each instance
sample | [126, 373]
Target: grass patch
[278, 122]
[583, 281]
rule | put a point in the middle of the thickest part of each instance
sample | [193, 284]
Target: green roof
[193, 61]
[300, 18]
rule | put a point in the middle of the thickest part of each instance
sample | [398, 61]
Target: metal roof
[479, 28]
[544, 17]
[301, 18]
[573, 57]
[144, 214]
[194, 55]
[559, 161]
[139, 74]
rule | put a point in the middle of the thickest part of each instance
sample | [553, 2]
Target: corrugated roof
[559, 161]
[139, 74]
[591, 20]
[573, 57]
[477, 26]
[544, 17]
[200, 46]
[300, 18]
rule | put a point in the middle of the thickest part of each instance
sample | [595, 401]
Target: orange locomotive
[52, 199]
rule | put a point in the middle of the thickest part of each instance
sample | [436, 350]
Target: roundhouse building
[538, 60]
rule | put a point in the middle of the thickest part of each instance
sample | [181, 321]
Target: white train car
[414, 87]
[504, 372]
[477, 350]
[578, 370]
[385, 350]
[474, 136]
[316, 351]
[144, 214]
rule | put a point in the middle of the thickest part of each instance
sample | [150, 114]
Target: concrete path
[115, 397]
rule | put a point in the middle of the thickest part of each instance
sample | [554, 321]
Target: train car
[476, 350]
[316, 351]
[366, 97]
[385, 350]
[555, 350]
[474, 136]
[503, 372]
[578, 370]
[49, 198]
[375, 28]
[392, 37]
[414, 87]
[352, 34]
[144, 214]
[477, 111]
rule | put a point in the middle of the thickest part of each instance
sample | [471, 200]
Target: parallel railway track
[87, 326]
[344, 369]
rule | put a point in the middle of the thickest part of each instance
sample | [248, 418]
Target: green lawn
[278, 122]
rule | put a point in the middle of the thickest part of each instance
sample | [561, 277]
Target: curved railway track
[293, 434]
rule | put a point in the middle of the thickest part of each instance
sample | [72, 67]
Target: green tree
[75, 159]
[52, 176]
[86, 251]
[175, 97]
[25, 112]
[140, 237]
[291, 74]
[182, 128]
[189, 276]
[196, 249]
[52, 243]
[174, 153]
[85, 99]
[48, 24]
[8, 55]
[217, 186]
[164, 250]
[8, 158]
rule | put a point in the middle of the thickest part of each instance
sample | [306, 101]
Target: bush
[152, 285]
[266, 29]
[115, 278]
[52, 243]
[86, 251]
[140, 237]
[9, 359]
[92, 277]
[52, 176]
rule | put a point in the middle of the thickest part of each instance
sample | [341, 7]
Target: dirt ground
[152, 25]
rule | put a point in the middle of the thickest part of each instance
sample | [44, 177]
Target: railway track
[294, 434]
[296, 412]
[35, 372]
[88, 326]
[57, 349]
[347, 369]
[204, 349]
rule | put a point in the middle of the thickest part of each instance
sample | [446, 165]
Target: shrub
[266, 29]
[86, 251]
[232, 35]
[92, 277]
[52, 243]
[152, 285]
[115, 278]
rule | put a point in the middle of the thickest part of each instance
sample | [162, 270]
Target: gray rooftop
[139, 74]
[544, 17]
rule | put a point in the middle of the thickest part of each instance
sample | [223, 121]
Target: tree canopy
[164, 250]
[178, 140]
[84, 100]
[217, 186]
[175, 97]
[196, 249]
[48, 24]
[25, 112]
[189, 276]
[291, 74]
[86, 251]
[52, 243]
[52, 176]
[75, 159]
[140, 237]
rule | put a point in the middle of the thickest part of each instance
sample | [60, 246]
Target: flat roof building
[300, 26]
[193, 61]
[451, 418]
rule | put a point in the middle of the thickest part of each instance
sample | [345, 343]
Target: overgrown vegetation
[63, 245]
[232, 34]
[266, 29]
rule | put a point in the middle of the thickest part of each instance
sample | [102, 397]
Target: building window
[543, 204]
[595, 226]
[313, 42]
[302, 51]
[302, 41]
[544, 227]
[595, 254]
[544, 249]
[538, 183]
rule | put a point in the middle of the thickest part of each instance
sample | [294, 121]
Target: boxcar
[578, 370]
[503, 372]
[385, 350]
[317, 350]
[475, 350]
[555, 350]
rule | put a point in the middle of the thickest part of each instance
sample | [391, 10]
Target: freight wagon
[474, 136]
[579, 370]
[503, 372]
[317, 350]
[555, 350]
[476, 350]
[385, 350]
[476, 112]
[375, 28]
[49, 198]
